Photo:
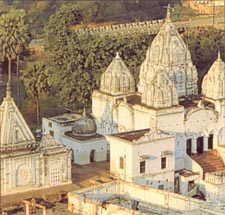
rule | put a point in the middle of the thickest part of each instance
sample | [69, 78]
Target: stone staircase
[210, 161]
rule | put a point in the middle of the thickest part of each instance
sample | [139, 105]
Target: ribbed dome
[117, 78]
[84, 127]
[213, 85]
[169, 50]
[160, 92]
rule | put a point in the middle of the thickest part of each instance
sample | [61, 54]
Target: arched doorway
[200, 144]
[188, 146]
[92, 156]
[210, 141]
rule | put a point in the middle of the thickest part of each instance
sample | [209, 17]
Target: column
[69, 167]
[205, 143]
[44, 212]
[37, 167]
[194, 145]
[27, 209]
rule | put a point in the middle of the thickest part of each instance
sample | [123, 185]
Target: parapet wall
[90, 200]
[148, 27]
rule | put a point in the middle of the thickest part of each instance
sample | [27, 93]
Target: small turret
[117, 78]
[213, 85]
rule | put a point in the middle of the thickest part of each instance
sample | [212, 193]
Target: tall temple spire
[169, 51]
[8, 84]
[8, 89]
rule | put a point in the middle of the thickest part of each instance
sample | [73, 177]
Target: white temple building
[166, 135]
[25, 163]
[78, 133]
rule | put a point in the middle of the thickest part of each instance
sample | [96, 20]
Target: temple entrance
[210, 141]
[200, 145]
[92, 156]
[188, 146]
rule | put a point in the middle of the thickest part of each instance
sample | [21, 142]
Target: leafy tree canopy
[204, 44]
[13, 33]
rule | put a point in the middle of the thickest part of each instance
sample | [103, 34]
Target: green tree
[14, 39]
[60, 25]
[177, 12]
[204, 44]
[35, 80]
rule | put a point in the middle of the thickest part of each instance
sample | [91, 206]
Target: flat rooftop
[132, 135]
[65, 118]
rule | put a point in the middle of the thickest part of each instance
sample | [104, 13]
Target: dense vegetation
[72, 65]
[204, 44]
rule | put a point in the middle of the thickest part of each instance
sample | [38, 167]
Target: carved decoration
[22, 175]
[160, 91]
[213, 85]
[13, 128]
[169, 50]
[117, 78]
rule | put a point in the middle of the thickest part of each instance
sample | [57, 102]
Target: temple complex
[167, 135]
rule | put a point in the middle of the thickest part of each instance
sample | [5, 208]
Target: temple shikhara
[25, 163]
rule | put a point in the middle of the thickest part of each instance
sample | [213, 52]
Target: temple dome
[213, 85]
[84, 127]
[160, 92]
[117, 78]
[169, 50]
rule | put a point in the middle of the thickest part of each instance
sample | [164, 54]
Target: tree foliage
[204, 44]
[35, 80]
[14, 37]
[92, 11]
[77, 61]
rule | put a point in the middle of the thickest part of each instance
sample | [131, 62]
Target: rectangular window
[51, 133]
[161, 187]
[142, 167]
[121, 162]
[191, 185]
[163, 163]
[50, 125]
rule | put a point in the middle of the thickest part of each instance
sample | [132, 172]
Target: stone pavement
[83, 176]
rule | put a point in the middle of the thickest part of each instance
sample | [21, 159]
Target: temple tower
[169, 51]
[116, 82]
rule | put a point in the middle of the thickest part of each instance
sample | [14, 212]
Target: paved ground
[83, 176]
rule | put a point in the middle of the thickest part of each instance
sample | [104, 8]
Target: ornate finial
[117, 55]
[168, 12]
[219, 56]
[169, 8]
[8, 90]
[84, 112]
